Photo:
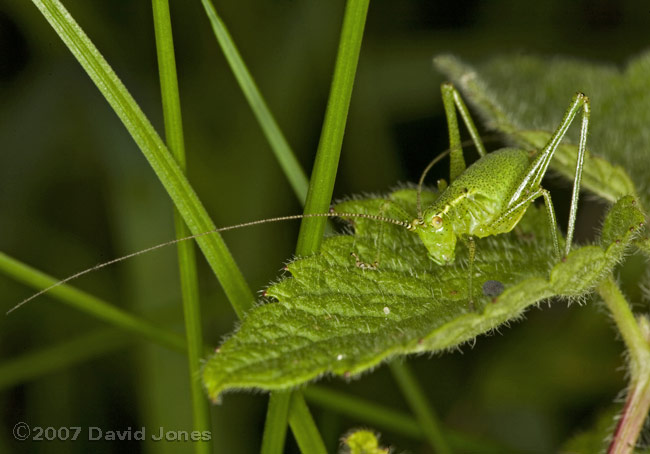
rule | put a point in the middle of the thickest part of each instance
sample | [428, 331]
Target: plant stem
[379, 416]
[275, 429]
[186, 253]
[303, 427]
[366, 411]
[321, 187]
[635, 335]
[276, 139]
[418, 402]
[90, 304]
[47, 360]
[323, 174]
[163, 163]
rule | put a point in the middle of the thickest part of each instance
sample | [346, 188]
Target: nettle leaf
[332, 317]
[526, 97]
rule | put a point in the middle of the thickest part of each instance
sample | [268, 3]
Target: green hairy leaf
[524, 97]
[362, 442]
[333, 317]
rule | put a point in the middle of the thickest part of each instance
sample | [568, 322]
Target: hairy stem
[635, 335]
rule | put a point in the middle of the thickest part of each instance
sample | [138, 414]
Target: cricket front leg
[395, 209]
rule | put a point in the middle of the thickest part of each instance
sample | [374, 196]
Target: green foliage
[362, 442]
[332, 317]
[524, 97]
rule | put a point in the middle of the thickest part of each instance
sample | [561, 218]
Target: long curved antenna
[331, 214]
[423, 176]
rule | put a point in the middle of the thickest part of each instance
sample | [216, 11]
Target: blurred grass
[72, 192]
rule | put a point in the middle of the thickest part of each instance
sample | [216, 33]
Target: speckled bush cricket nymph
[487, 198]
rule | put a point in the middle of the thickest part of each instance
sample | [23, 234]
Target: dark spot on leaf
[493, 288]
[495, 299]
[564, 259]
[618, 241]
[347, 374]
[454, 292]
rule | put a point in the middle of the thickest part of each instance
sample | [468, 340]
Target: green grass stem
[47, 360]
[321, 186]
[367, 412]
[89, 304]
[186, 254]
[303, 426]
[279, 145]
[378, 416]
[153, 148]
[277, 415]
[418, 402]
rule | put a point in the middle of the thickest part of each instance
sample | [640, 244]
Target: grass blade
[186, 255]
[275, 430]
[303, 426]
[49, 359]
[152, 146]
[419, 404]
[90, 304]
[378, 416]
[329, 148]
[279, 145]
[367, 412]
[321, 184]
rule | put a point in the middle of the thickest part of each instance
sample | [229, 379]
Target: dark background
[75, 190]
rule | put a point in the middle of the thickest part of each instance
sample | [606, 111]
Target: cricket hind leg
[541, 163]
[472, 256]
[452, 100]
[514, 213]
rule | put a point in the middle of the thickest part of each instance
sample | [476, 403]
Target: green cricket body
[491, 196]
[474, 204]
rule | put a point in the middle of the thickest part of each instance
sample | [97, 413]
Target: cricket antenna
[331, 214]
[424, 174]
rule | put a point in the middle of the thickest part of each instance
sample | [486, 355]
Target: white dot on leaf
[386, 310]
[339, 357]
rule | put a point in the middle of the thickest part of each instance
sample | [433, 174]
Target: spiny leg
[396, 209]
[550, 211]
[540, 164]
[472, 255]
[514, 213]
[451, 100]
[582, 146]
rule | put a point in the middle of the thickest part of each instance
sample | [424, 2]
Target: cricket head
[437, 235]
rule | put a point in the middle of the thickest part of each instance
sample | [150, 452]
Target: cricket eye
[436, 222]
